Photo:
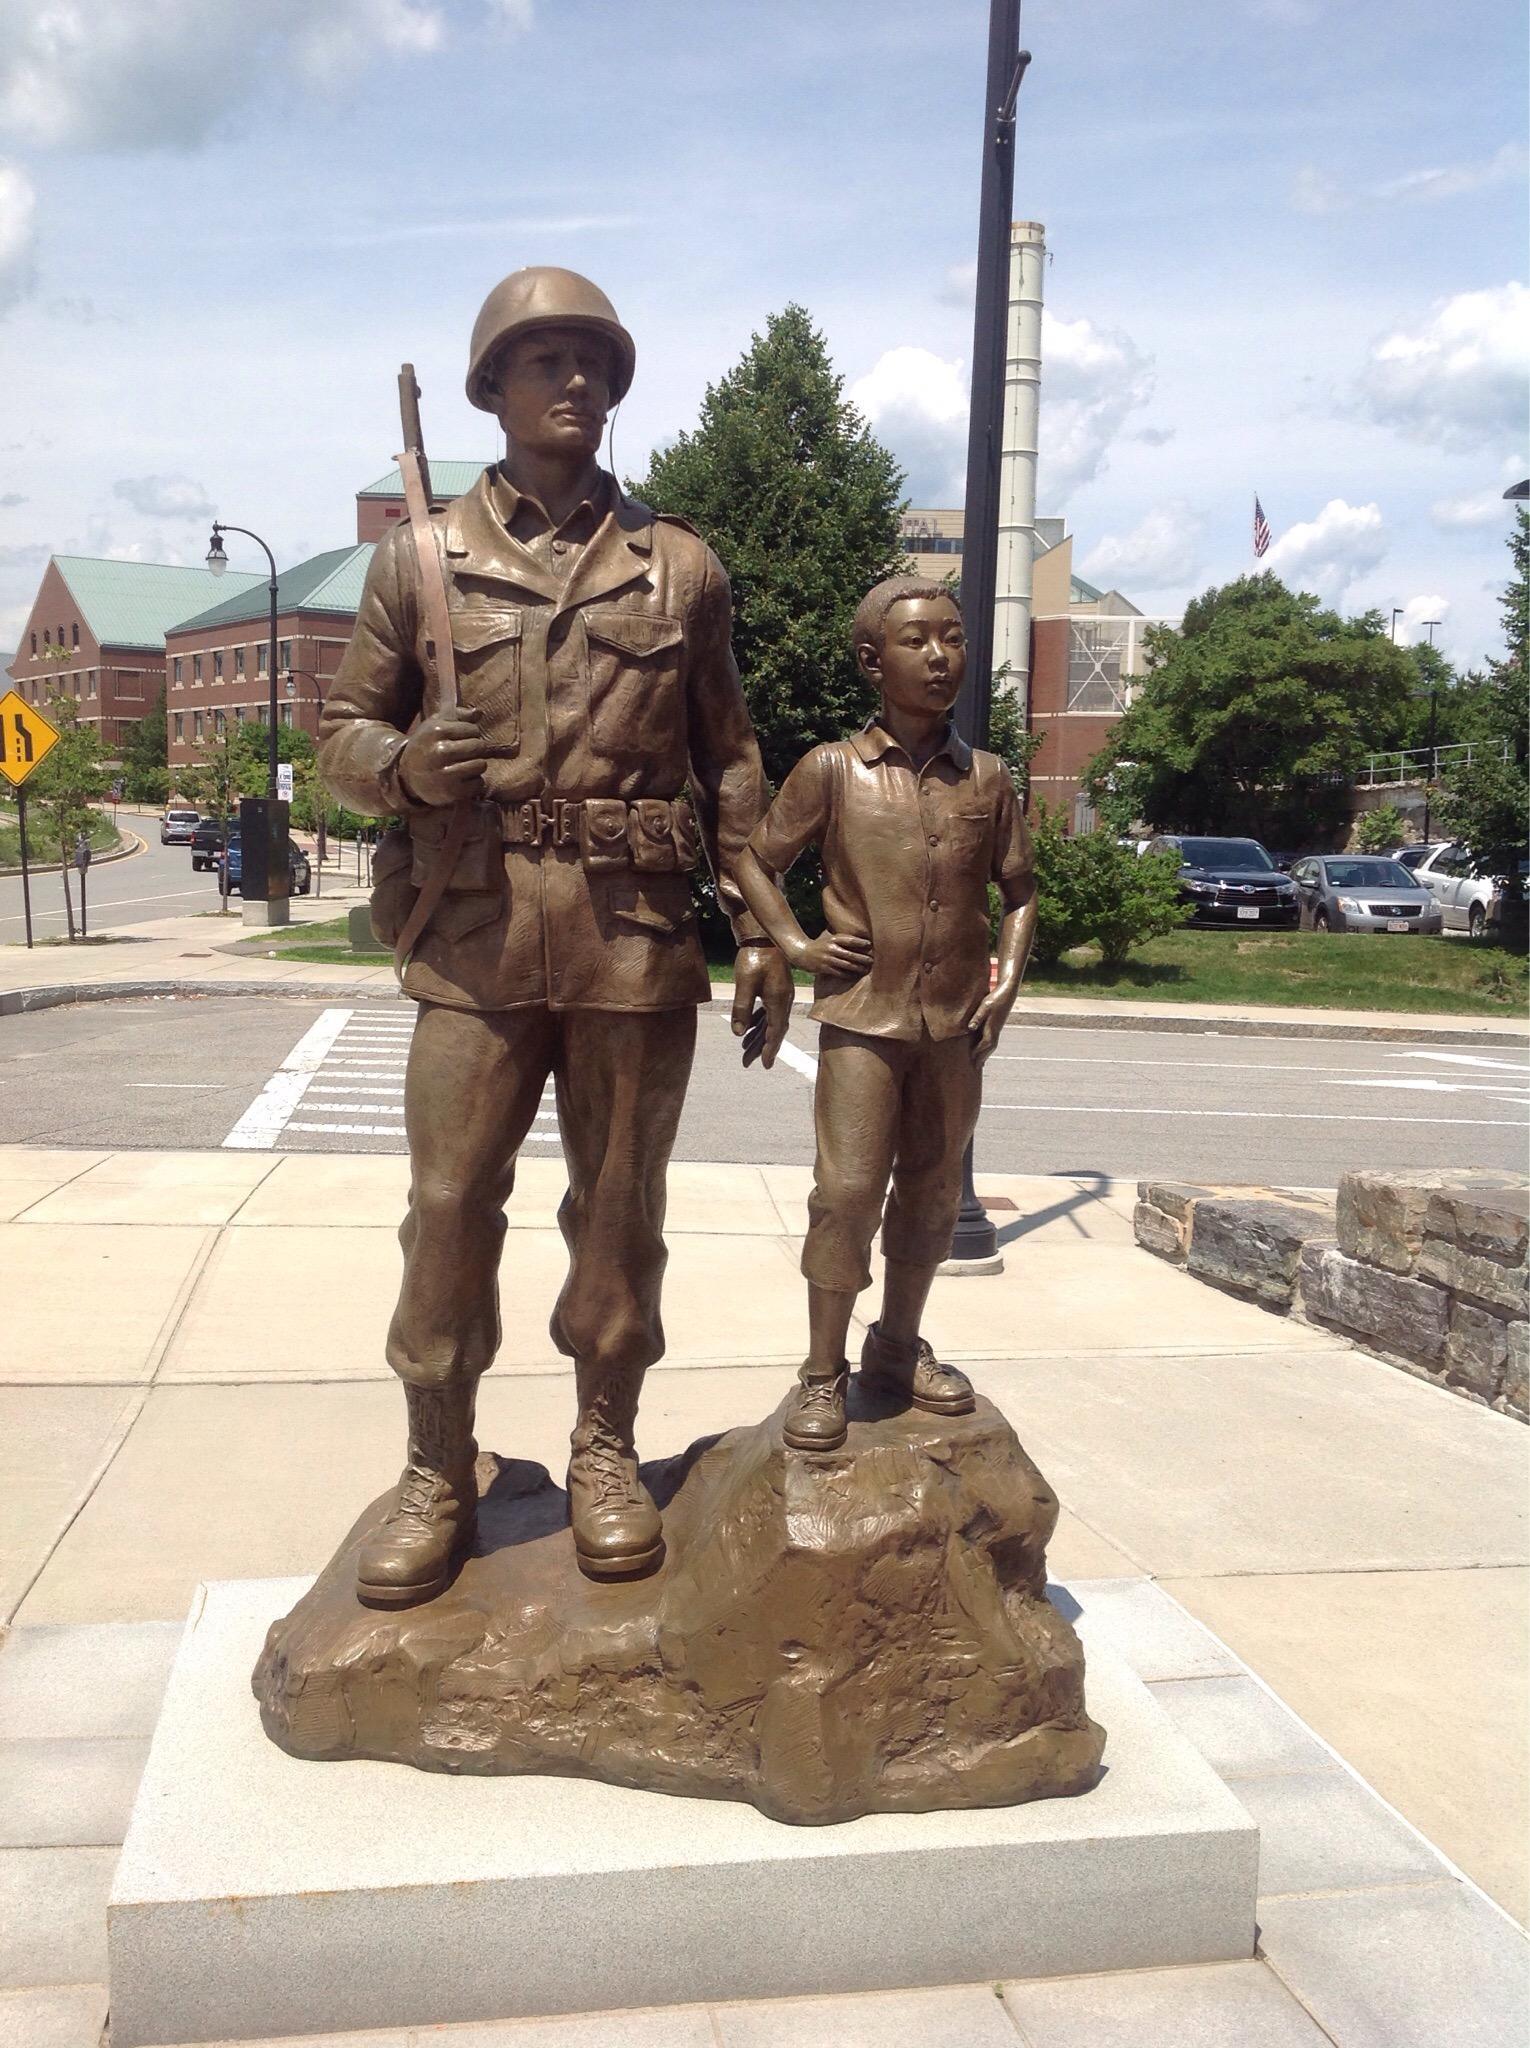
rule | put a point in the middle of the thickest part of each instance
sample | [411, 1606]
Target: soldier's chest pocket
[487, 641]
[634, 680]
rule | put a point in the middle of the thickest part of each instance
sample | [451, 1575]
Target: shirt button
[929, 966]
[933, 904]
[560, 547]
[934, 839]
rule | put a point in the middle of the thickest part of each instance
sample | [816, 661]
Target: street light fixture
[262, 820]
[1434, 699]
[1397, 612]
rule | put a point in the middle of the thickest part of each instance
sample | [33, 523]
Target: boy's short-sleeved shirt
[907, 858]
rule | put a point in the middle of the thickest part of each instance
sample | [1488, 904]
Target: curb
[49, 996]
[131, 844]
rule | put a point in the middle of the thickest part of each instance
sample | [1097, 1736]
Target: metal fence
[1425, 764]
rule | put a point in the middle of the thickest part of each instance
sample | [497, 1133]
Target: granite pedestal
[258, 1894]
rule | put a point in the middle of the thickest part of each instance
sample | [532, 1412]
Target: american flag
[1261, 531]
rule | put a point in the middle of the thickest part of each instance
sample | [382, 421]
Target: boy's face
[923, 656]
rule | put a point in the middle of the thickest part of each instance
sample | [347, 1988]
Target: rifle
[415, 470]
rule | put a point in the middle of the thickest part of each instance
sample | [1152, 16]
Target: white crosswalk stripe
[345, 1079]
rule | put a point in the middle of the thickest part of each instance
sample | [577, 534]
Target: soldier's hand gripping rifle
[441, 686]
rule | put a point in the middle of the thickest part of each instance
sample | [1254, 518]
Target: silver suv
[177, 826]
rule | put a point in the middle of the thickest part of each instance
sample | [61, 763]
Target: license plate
[1397, 924]
[1250, 910]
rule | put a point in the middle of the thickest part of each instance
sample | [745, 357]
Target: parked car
[207, 842]
[1361, 892]
[177, 826]
[1410, 856]
[299, 873]
[1229, 881]
[1468, 890]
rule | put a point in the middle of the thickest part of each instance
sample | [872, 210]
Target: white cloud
[1472, 508]
[165, 497]
[1457, 380]
[1313, 191]
[917, 401]
[136, 74]
[1329, 553]
[1417, 612]
[1163, 548]
[1092, 380]
[18, 234]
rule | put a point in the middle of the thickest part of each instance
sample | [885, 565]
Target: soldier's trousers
[471, 1093]
[887, 1109]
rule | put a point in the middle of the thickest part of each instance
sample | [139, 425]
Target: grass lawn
[103, 836]
[1291, 970]
[1296, 970]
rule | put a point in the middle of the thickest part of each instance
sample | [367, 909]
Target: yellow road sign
[25, 736]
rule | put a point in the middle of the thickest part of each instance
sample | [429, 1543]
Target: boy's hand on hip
[837, 953]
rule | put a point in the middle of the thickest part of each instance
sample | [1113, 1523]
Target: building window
[74, 633]
[180, 725]
[238, 661]
[220, 723]
[60, 636]
[261, 653]
[177, 672]
[218, 665]
[34, 643]
[92, 682]
[286, 714]
[196, 668]
[263, 714]
[285, 654]
[47, 636]
[196, 725]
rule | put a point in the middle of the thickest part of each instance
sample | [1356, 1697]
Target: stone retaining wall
[1428, 1269]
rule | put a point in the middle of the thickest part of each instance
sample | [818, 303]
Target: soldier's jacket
[616, 680]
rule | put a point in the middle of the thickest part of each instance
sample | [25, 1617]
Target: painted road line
[267, 1116]
[351, 1130]
[1265, 1116]
[800, 1062]
[351, 1108]
[1211, 1068]
[1418, 1084]
[1465, 1059]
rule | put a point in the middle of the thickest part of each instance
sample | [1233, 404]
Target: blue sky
[1287, 255]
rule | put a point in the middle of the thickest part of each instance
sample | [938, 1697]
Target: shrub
[1380, 830]
[1093, 888]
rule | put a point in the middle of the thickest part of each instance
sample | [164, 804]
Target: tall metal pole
[271, 735]
[26, 868]
[975, 1242]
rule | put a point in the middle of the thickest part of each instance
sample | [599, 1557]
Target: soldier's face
[555, 390]
[923, 656]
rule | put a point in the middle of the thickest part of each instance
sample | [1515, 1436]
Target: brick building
[96, 635]
[381, 505]
[217, 659]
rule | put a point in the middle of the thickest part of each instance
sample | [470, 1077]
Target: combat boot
[913, 1371]
[411, 1554]
[815, 1415]
[617, 1530]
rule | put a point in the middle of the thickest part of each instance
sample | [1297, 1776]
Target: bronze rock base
[831, 1634]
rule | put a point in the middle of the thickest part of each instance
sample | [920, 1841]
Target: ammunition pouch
[654, 834]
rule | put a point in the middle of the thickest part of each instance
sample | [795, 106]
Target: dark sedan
[1229, 881]
[299, 872]
[1362, 892]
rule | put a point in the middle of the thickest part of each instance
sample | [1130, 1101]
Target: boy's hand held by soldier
[443, 760]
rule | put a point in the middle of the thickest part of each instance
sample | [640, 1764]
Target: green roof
[1080, 592]
[330, 582]
[447, 480]
[134, 604]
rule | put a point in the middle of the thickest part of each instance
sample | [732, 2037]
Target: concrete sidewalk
[193, 1388]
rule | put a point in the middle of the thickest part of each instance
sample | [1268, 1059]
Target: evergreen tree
[1488, 804]
[1254, 717]
[786, 482]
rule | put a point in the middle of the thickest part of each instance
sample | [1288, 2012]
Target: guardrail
[1425, 764]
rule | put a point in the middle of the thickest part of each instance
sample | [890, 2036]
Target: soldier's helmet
[543, 296]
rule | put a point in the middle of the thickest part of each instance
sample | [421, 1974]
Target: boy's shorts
[887, 1109]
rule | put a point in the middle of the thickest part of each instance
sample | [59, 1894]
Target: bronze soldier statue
[592, 648]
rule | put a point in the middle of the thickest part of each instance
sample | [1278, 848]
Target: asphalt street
[301, 1076]
[155, 883]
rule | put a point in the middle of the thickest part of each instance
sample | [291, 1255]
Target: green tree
[63, 787]
[1091, 888]
[785, 480]
[1009, 739]
[145, 756]
[1380, 830]
[1254, 717]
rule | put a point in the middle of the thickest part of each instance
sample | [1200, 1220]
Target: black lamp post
[264, 862]
[975, 1242]
[321, 832]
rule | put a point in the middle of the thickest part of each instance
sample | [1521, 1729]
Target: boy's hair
[871, 613]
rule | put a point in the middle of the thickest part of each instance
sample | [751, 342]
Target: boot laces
[421, 1495]
[819, 1394]
[612, 1481]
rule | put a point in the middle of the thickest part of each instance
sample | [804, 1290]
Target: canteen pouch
[650, 833]
[687, 844]
[603, 846]
[393, 890]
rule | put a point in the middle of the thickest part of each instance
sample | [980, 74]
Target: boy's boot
[617, 1530]
[912, 1370]
[815, 1415]
[409, 1557]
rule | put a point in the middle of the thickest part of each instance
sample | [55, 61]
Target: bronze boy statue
[911, 825]
[591, 641]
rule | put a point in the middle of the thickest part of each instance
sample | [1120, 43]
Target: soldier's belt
[655, 833]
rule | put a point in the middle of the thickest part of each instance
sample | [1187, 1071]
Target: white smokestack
[1017, 460]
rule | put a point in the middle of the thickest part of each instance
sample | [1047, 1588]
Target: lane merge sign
[26, 737]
